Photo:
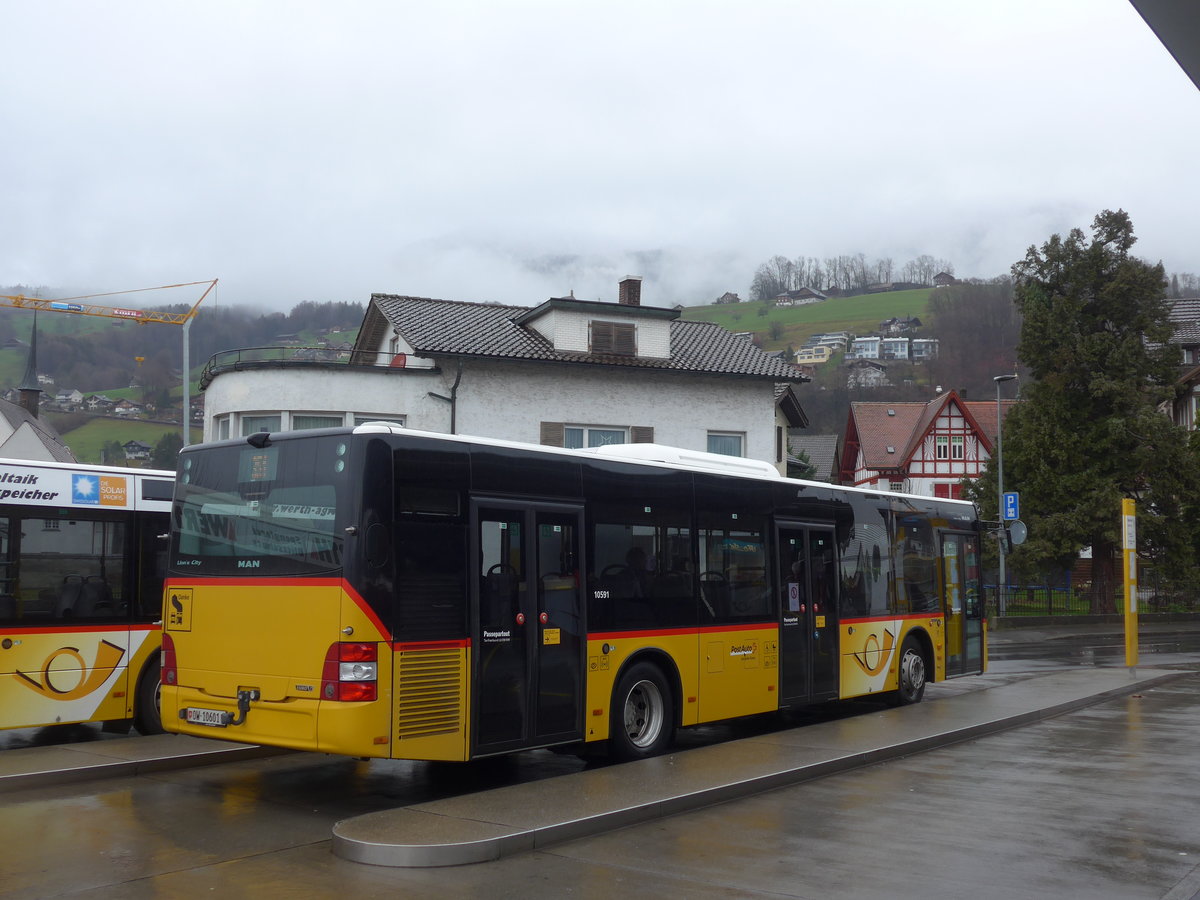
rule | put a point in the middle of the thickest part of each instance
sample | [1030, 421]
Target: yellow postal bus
[82, 560]
[381, 592]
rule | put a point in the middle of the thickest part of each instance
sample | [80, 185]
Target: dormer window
[619, 338]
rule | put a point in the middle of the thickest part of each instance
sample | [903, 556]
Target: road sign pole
[1129, 566]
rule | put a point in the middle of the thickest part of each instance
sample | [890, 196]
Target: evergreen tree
[1095, 337]
[166, 451]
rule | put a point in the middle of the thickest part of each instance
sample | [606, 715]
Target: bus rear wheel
[147, 709]
[912, 673]
[643, 714]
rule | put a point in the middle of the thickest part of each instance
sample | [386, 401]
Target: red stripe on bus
[403, 646]
[365, 609]
[281, 581]
[77, 629]
[679, 632]
[890, 618]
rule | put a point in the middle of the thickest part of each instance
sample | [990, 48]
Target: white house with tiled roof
[568, 372]
[919, 448]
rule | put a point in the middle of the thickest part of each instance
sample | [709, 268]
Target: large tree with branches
[1095, 337]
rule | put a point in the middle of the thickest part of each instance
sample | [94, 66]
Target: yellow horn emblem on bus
[107, 657]
[872, 658]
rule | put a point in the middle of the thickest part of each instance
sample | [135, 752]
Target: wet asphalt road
[1097, 803]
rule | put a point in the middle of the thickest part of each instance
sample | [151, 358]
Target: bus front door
[808, 631]
[528, 627]
[962, 601]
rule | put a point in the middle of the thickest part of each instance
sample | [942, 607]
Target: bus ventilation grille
[430, 693]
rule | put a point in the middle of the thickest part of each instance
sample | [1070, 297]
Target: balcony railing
[281, 357]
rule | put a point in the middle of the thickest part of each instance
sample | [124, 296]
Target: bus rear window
[271, 510]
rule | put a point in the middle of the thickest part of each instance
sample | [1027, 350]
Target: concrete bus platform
[487, 825]
[27, 767]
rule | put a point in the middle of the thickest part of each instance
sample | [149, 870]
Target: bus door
[808, 631]
[963, 604]
[528, 631]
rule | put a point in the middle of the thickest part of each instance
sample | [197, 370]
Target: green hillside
[860, 314]
[87, 440]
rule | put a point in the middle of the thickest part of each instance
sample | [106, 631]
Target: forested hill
[94, 354]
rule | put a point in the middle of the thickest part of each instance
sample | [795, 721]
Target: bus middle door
[808, 632]
[528, 629]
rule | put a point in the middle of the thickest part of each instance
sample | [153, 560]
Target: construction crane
[141, 316]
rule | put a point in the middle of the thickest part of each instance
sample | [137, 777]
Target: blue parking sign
[1012, 506]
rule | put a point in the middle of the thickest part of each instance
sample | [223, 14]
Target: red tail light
[350, 672]
[170, 668]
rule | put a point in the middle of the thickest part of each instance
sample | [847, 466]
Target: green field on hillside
[87, 441]
[861, 314]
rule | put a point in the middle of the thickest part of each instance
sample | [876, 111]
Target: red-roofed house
[919, 448]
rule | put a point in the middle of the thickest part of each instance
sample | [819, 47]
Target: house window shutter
[552, 434]
[602, 337]
[641, 434]
[624, 340]
[614, 337]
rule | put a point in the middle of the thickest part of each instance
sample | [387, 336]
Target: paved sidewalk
[492, 824]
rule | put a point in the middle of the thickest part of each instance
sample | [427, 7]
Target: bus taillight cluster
[170, 668]
[350, 672]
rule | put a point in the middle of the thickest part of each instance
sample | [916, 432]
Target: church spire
[30, 389]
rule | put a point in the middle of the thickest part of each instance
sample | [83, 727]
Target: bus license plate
[212, 717]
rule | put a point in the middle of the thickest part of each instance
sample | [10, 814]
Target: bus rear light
[350, 672]
[170, 668]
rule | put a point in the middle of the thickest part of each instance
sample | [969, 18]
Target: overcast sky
[513, 151]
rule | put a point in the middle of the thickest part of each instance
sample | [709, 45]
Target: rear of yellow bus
[275, 629]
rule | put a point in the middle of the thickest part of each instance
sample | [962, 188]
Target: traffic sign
[1012, 506]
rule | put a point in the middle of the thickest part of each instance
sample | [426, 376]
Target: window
[301, 421]
[578, 436]
[67, 569]
[725, 443]
[614, 337]
[957, 446]
[643, 570]
[942, 445]
[866, 569]
[733, 568]
[222, 426]
[255, 424]
[948, 491]
[364, 418]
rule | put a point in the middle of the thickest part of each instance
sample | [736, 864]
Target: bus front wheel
[912, 673]
[643, 714]
[147, 714]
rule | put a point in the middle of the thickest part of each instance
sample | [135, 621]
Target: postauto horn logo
[97, 490]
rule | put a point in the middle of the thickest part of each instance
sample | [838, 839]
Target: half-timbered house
[919, 448]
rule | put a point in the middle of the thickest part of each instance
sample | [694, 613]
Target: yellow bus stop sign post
[1129, 558]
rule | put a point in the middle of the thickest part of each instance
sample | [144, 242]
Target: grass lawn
[860, 315]
[87, 441]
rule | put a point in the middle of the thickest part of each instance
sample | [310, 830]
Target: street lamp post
[1002, 586]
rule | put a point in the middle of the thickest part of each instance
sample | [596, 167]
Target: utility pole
[1002, 586]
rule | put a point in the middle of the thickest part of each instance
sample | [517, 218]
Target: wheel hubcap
[643, 714]
[913, 671]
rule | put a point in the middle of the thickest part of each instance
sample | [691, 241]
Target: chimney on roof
[631, 291]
